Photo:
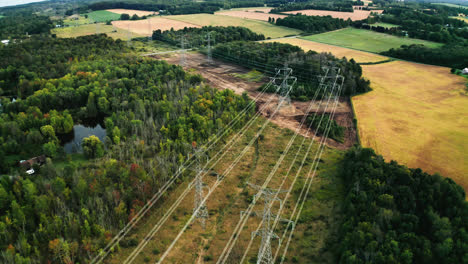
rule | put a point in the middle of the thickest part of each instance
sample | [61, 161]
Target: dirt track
[219, 74]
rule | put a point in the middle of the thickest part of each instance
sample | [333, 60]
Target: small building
[465, 71]
[5, 42]
[28, 164]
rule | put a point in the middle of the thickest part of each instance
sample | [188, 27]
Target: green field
[450, 5]
[387, 25]
[76, 22]
[103, 16]
[91, 29]
[1, 16]
[367, 40]
[256, 26]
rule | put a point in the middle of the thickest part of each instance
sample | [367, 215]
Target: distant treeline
[453, 55]
[398, 215]
[172, 9]
[307, 66]
[18, 25]
[196, 37]
[342, 6]
[313, 24]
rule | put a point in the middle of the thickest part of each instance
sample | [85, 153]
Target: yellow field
[261, 27]
[416, 115]
[84, 30]
[147, 26]
[359, 56]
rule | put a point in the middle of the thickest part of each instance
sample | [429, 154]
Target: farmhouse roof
[27, 164]
[465, 71]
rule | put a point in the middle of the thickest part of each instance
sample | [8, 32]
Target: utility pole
[183, 42]
[129, 36]
[210, 57]
[287, 82]
[266, 231]
[199, 210]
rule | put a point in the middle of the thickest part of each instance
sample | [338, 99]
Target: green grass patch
[77, 159]
[77, 22]
[1, 16]
[367, 40]
[103, 16]
[251, 76]
[451, 5]
[385, 25]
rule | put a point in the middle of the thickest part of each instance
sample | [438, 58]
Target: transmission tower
[199, 209]
[150, 30]
[209, 54]
[270, 196]
[287, 82]
[183, 42]
[129, 36]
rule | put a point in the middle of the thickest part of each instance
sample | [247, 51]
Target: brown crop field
[132, 12]
[356, 15]
[147, 26]
[416, 114]
[358, 56]
[250, 15]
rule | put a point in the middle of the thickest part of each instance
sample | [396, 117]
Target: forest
[320, 124]
[394, 214]
[16, 26]
[342, 6]
[306, 66]
[197, 37]
[152, 112]
[312, 24]
[182, 7]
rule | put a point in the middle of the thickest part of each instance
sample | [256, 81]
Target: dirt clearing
[132, 12]
[147, 26]
[250, 15]
[220, 75]
[356, 15]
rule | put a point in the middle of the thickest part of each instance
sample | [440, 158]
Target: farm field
[451, 5]
[387, 25]
[358, 56]
[132, 12]
[261, 27]
[102, 16]
[77, 20]
[416, 115]
[356, 15]
[83, 30]
[367, 40]
[252, 9]
[147, 26]
[461, 18]
[250, 15]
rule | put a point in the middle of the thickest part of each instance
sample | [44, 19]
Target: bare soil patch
[356, 15]
[132, 12]
[250, 15]
[219, 74]
[147, 26]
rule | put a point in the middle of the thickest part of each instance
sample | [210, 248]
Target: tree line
[341, 6]
[196, 37]
[306, 66]
[152, 112]
[313, 24]
[177, 8]
[394, 214]
[18, 25]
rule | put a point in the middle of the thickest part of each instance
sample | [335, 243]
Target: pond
[72, 141]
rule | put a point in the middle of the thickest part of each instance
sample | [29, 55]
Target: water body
[17, 2]
[73, 140]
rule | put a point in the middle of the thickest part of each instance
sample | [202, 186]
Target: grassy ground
[451, 5]
[316, 227]
[387, 25]
[359, 56]
[81, 21]
[366, 40]
[1, 16]
[103, 16]
[262, 27]
[416, 115]
[461, 18]
[251, 76]
[90, 29]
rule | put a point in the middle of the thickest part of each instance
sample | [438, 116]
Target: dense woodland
[183, 7]
[307, 66]
[151, 110]
[342, 6]
[196, 37]
[16, 26]
[312, 24]
[400, 215]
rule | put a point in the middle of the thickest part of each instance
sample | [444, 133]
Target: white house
[465, 71]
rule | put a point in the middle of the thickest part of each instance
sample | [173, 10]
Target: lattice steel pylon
[287, 81]
[200, 210]
[209, 53]
[183, 42]
[270, 196]
[150, 30]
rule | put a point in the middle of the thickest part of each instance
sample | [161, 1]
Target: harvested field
[250, 15]
[222, 76]
[416, 115]
[256, 26]
[132, 12]
[356, 15]
[367, 40]
[91, 29]
[147, 26]
[358, 56]
[252, 9]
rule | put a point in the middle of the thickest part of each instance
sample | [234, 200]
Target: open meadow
[256, 26]
[416, 115]
[250, 15]
[356, 15]
[91, 29]
[367, 40]
[102, 16]
[358, 56]
[147, 26]
[385, 25]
